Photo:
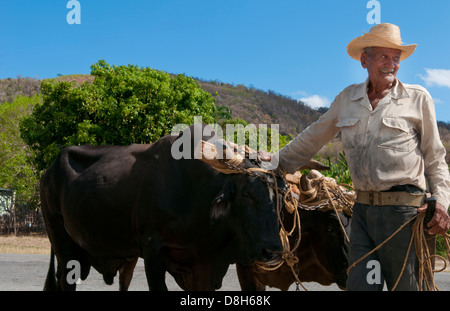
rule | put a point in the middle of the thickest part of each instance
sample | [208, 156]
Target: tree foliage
[16, 173]
[123, 105]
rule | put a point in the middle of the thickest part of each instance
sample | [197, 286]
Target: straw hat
[381, 35]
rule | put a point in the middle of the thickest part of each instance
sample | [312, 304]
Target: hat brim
[357, 46]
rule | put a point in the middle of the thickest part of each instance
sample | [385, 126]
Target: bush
[339, 169]
[123, 105]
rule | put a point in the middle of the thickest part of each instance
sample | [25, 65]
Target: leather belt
[390, 198]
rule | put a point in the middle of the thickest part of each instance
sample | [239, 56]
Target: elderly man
[391, 140]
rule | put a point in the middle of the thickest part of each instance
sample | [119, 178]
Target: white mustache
[387, 70]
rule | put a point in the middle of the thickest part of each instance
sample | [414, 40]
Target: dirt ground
[27, 244]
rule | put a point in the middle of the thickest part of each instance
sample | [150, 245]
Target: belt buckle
[375, 198]
[371, 195]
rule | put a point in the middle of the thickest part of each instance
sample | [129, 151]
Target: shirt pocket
[349, 132]
[396, 134]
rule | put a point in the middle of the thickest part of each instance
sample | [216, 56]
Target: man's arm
[436, 170]
[306, 145]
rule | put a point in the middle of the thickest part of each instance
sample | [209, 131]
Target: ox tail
[50, 281]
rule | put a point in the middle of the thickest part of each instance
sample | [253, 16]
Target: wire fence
[22, 223]
[18, 218]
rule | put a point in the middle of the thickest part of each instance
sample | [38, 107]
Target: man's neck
[380, 88]
[378, 92]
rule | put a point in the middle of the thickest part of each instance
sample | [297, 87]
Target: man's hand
[265, 156]
[440, 223]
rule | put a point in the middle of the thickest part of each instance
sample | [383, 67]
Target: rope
[292, 205]
[337, 215]
[319, 197]
[288, 256]
[326, 185]
[381, 245]
[424, 256]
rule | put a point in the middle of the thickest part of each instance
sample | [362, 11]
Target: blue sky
[296, 48]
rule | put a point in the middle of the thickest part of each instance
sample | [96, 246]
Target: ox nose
[270, 256]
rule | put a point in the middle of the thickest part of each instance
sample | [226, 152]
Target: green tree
[16, 172]
[123, 105]
[222, 115]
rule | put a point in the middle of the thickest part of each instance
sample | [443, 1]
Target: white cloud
[439, 77]
[438, 101]
[316, 101]
[298, 94]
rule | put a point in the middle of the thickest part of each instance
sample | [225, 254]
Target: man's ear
[364, 60]
[221, 206]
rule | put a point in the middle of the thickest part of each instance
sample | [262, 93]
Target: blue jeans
[372, 225]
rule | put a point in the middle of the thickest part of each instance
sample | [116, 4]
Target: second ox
[322, 253]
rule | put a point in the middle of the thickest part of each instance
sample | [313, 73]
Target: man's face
[382, 65]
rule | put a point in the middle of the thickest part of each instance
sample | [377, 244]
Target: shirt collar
[397, 92]
[359, 91]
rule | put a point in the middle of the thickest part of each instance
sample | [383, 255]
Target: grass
[30, 244]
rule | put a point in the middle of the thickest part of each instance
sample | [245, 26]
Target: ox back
[105, 206]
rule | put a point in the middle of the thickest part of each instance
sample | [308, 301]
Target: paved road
[27, 273]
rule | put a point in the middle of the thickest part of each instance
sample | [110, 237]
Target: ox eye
[248, 196]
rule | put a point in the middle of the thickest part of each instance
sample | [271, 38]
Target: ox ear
[221, 206]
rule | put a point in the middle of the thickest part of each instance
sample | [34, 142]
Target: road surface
[20, 272]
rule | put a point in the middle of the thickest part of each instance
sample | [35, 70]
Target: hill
[247, 103]
[11, 88]
[259, 107]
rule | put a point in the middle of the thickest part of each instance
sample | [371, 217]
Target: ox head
[325, 241]
[248, 199]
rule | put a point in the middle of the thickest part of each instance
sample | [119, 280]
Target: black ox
[106, 206]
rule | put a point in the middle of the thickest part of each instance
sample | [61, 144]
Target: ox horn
[209, 153]
[305, 183]
[315, 165]
[293, 178]
[243, 150]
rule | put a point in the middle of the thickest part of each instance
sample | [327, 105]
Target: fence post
[13, 209]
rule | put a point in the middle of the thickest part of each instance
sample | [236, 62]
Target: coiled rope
[291, 201]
